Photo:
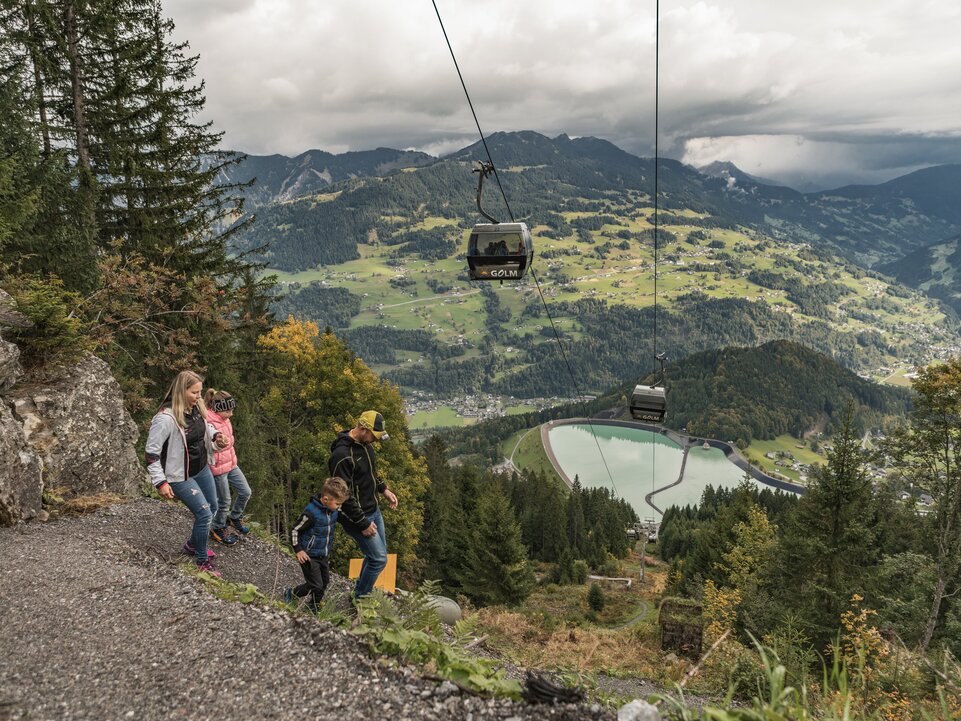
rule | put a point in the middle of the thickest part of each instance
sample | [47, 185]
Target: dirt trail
[100, 622]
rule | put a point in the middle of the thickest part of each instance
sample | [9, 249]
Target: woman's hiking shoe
[189, 550]
[208, 567]
[238, 525]
[223, 535]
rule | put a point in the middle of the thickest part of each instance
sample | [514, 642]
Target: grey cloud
[835, 92]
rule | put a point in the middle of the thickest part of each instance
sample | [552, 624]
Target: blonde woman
[180, 447]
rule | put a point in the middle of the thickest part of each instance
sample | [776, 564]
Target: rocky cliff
[71, 434]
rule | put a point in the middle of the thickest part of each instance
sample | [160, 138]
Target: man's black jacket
[356, 463]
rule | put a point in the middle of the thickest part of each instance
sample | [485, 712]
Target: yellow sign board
[386, 581]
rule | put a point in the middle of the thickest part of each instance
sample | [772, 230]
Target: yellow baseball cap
[373, 422]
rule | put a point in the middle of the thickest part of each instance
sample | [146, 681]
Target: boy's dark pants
[316, 577]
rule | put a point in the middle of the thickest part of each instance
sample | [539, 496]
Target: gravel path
[99, 622]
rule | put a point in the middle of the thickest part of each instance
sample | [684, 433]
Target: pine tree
[551, 524]
[40, 230]
[497, 567]
[442, 539]
[576, 526]
[828, 547]
[595, 598]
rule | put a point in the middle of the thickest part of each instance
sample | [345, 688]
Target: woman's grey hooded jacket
[170, 465]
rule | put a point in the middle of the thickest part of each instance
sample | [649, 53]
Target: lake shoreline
[683, 443]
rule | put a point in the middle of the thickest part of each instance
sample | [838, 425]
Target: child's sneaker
[189, 550]
[239, 525]
[223, 535]
[288, 595]
[208, 567]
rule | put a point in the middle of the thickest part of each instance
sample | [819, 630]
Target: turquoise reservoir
[640, 462]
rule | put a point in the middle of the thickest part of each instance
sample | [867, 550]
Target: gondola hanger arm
[483, 170]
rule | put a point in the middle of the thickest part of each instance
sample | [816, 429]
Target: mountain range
[935, 269]
[869, 224]
[280, 178]
[378, 256]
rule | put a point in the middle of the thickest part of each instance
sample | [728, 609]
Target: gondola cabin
[499, 251]
[648, 403]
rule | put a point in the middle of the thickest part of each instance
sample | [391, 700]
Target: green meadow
[615, 267]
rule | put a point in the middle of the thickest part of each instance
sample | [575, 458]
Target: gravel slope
[99, 622]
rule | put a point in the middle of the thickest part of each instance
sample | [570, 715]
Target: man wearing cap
[352, 458]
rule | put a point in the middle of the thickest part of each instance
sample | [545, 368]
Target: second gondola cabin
[499, 251]
[649, 403]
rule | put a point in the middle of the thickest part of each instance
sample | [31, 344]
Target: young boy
[313, 539]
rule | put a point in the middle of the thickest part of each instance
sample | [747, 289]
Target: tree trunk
[76, 85]
[935, 608]
[87, 181]
[38, 79]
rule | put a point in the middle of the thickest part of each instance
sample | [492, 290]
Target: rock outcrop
[72, 434]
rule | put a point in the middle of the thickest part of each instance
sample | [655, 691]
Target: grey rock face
[73, 434]
[10, 370]
[21, 483]
[81, 431]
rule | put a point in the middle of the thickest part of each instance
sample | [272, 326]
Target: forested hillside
[123, 233]
[396, 244]
[779, 387]
[935, 269]
[869, 224]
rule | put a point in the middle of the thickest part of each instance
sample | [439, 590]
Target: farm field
[446, 416]
[757, 450]
[402, 291]
[443, 417]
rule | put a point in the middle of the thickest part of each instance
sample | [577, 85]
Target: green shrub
[407, 628]
[55, 337]
[595, 598]
[580, 571]
[611, 568]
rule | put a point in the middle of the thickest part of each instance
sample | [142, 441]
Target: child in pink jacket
[227, 474]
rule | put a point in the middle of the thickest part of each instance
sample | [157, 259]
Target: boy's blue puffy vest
[319, 538]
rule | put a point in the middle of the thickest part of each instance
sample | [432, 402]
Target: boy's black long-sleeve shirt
[356, 463]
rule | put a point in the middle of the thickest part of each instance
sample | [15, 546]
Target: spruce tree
[828, 547]
[42, 204]
[551, 521]
[442, 539]
[576, 525]
[497, 569]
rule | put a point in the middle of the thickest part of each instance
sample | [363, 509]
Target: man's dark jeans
[374, 549]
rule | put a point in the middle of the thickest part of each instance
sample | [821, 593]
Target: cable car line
[657, 88]
[491, 168]
[570, 372]
[649, 403]
[476, 121]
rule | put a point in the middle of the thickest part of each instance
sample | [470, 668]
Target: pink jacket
[225, 459]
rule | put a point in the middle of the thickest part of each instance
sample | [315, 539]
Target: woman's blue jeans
[374, 549]
[235, 479]
[199, 494]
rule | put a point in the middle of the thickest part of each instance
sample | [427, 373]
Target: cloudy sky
[814, 94]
